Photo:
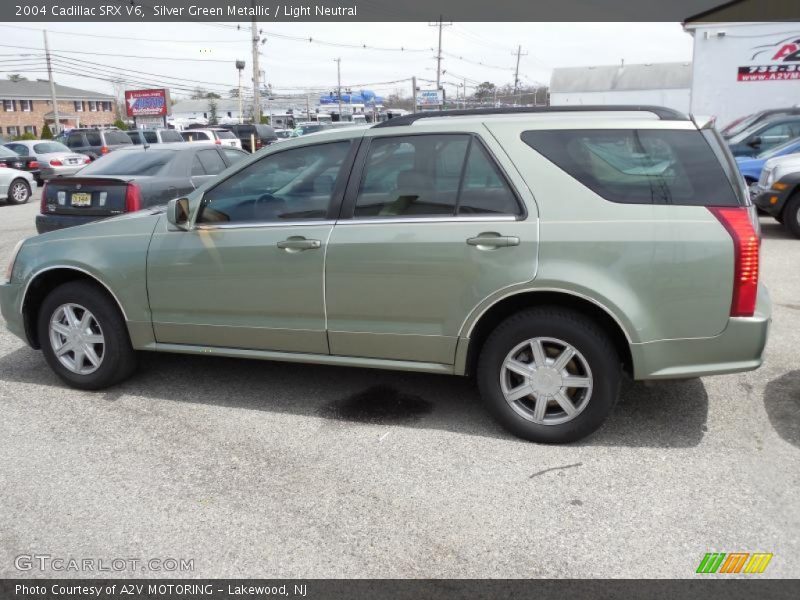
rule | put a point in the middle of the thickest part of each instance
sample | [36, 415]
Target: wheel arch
[46, 280]
[505, 307]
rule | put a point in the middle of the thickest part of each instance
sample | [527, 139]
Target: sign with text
[147, 103]
[430, 98]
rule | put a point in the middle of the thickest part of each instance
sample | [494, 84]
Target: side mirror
[178, 214]
[755, 142]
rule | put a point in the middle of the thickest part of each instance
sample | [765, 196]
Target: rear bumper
[739, 347]
[47, 173]
[45, 223]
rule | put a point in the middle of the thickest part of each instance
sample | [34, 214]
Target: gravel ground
[277, 470]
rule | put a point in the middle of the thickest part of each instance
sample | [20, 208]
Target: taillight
[104, 150]
[43, 202]
[55, 163]
[133, 198]
[746, 243]
[259, 144]
[218, 141]
[86, 160]
[33, 165]
[2, 165]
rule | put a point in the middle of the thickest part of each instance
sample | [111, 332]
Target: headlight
[14, 253]
[770, 178]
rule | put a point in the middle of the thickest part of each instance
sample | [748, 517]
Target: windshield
[739, 125]
[48, 147]
[785, 148]
[147, 162]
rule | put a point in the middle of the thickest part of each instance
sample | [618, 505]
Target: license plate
[81, 199]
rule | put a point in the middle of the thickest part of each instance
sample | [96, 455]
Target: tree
[25, 136]
[233, 92]
[47, 134]
[201, 93]
[485, 91]
[120, 124]
[212, 111]
[16, 77]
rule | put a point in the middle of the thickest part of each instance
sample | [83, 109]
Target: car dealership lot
[273, 469]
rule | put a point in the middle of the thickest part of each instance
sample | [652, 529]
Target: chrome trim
[489, 219]
[261, 224]
[468, 334]
[72, 268]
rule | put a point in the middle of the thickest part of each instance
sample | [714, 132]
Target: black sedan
[11, 160]
[130, 179]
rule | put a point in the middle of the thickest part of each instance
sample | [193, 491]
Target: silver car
[55, 159]
[16, 186]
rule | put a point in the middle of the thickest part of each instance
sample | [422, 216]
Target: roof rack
[665, 114]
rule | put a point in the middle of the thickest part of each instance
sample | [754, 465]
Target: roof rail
[665, 114]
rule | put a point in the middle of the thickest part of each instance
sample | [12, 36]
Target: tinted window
[147, 162]
[191, 136]
[291, 185]
[20, 149]
[150, 137]
[233, 155]
[212, 162]
[75, 140]
[225, 135]
[170, 135]
[135, 137]
[93, 138]
[197, 167]
[647, 166]
[48, 147]
[117, 137]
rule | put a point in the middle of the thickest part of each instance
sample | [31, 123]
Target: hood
[790, 162]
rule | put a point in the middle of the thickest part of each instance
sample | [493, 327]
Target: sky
[204, 54]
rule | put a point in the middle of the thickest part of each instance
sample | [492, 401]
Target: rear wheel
[19, 192]
[791, 214]
[84, 338]
[549, 375]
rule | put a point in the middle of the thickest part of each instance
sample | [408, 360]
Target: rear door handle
[298, 244]
[487, 241]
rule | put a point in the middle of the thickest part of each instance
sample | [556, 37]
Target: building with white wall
[661, 84]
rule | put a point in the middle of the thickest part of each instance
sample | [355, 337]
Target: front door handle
[298, 244]
[489, 241]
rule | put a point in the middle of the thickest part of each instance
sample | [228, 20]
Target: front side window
[292, 185]
[432, 175]
[639, 166]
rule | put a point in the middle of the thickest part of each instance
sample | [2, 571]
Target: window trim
[334, 206]
[347, 213]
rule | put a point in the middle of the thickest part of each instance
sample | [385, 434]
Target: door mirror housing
[178, 214]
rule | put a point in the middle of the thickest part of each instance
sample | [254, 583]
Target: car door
[431, 227]
[249, 272]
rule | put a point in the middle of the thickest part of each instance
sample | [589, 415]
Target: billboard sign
[430, 98]
[147, 103]
[778, 61]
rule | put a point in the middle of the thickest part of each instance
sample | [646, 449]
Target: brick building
[25, 106]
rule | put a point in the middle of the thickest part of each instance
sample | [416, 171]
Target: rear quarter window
[639, 166]
[117, 137]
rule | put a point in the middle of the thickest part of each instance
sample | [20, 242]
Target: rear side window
[170, 135]
[150, 137]
[639, 166]
[225, 135]
[117, 137]
[134, 135]
[212, 162]
[431, 175]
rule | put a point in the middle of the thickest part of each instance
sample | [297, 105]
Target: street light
[240, 68]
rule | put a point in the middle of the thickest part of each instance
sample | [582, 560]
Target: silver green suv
[544, 251]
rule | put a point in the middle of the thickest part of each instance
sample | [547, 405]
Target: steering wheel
[274, 204]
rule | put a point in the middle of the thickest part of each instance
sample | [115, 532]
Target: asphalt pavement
[260, 469]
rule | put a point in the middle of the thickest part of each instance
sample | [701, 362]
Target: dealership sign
[430, 98]
[774, 62]
[147, 103]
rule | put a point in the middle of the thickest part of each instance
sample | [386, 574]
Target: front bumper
[739, 347]
[11, 309]
[769, 200]
[45, 223]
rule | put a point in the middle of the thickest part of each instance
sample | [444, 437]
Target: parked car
[748, 121]
[11, 160]
[546, 256]
[16, 185]
[777, 191]
[751, 168]
[221, 137]
[54, 158]
[129, 180]
[264, 135]
[285, 134]
[154, 136]
[96, 142]
[765, 135]
[311, 127]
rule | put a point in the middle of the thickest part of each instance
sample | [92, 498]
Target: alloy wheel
[77, 339]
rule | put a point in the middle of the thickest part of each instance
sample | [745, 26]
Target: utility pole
[338, 62]
[256, 72]
[516, 71]
[56, 120]
[439, 24]
[308, 109]
[414, 94]
[240, 67]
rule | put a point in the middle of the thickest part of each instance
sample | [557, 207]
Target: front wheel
[791, 214]
[19, 192]
[549, 375]
[84, 338]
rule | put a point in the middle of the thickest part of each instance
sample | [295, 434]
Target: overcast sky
[299, 65]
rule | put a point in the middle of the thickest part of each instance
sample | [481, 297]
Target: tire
[116, 360]
[595, 367]
[791, 215]
[19, 192]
